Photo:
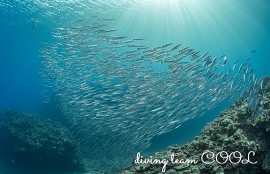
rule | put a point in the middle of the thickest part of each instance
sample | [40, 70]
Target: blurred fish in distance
[34, 25]
[253, 51]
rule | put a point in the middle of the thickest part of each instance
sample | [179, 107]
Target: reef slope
[31, 144]
[235, 129]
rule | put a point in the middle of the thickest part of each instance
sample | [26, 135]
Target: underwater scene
[135, 87]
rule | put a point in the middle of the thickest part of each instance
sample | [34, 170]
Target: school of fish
[117, 94]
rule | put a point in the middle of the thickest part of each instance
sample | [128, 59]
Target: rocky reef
[236, 142]
[29, 143]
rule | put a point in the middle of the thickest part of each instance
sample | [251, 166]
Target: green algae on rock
[29, 143]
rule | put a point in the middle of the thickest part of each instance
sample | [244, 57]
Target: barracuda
[117, 97]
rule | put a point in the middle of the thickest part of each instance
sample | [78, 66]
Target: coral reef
[30, 143]
[235, 130]
[266, 162]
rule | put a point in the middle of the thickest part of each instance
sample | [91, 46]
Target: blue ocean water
[238, 29]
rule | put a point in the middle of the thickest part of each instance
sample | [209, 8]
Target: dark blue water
[20, 63]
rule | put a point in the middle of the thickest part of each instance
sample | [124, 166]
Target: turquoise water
[239, 29]
[225, 27]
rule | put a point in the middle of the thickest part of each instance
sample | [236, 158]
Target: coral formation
[235, 130]
[266, 162]
[28, 142]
